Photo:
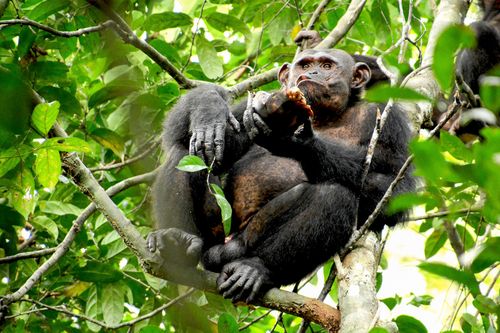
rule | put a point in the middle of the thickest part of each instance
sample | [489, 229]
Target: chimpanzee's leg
[285, 240]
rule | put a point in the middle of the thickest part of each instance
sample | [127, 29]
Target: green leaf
[191, 163]
[59, 208]
[43, 222]
[408, 324]
[66, 144]
[11, 157]
[47, 8]
[408, 200]
[225, 207]
[450, 273]
[166, 20]
[447, 45]
[224, 22]
[96, 271]
[381, 93]
[209, 61]
[487, 256]
[421, 300]
[167, 50]
[93, 308]
[281, 26]
[109, 139]
[454, 146]
[391, 302]
[485, 304]
[69, 103]
[48, 167]
[435, 242]
[489, 90]
[115, 89]
[24, 200]
[44, 116]
[227, 324]
[49, 70]
[113, 299]
[378, 330]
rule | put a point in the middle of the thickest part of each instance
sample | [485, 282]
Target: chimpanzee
[292, 174]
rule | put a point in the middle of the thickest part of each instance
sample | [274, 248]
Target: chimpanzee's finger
[209, 144]
[219, 141]
[151, 242]
[261, 125]
[200, 143]
[255, 290]
[234, 123]
[192, 144]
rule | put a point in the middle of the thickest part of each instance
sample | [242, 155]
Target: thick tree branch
[344, 25]
[66, 34]
[448, 12]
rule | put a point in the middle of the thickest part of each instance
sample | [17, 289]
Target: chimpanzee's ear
[283, 74]
[361, 75]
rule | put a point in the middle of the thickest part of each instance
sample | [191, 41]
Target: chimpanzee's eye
[327, 65]
[306, 65]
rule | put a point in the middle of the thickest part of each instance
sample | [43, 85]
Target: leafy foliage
[111, 97]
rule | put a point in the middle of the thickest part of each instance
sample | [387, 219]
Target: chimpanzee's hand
[208, 135]
[175, 245]
[307, 39]
[244, 280]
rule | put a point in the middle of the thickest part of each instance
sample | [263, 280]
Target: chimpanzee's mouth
[304, 78]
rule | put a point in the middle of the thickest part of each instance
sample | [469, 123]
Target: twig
[445, 213]
[27, 255]
[128, 36]
[317, 12]
[131, 160]
[65, 34]
[131, 323]
[247, 325]
[195, 32]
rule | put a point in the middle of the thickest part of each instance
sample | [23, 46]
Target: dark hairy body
[292, 180]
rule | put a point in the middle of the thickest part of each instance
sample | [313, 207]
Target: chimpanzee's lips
[304, 78]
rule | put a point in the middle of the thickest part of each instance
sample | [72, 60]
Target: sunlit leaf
[227, 323]
[409, 324]
[487, 256]
[209, 61]
[109, 139]
[44, 223]
[44, 116]
[225, 207]
[453, 274]
[191, 163]
[48, 167]
[435, 242]
[447, 44]
[166, 20]
[67, 144]
[489, 90]
[381, 93]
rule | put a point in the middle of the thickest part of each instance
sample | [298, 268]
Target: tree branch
[27, 255]
[65, 34]
[128, 36]
[345, 23]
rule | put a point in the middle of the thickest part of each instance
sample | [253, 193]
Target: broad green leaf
[224, 22]
[109, 139]
[23, 198]
[115, 89]
[93, 308]
[191, 163]
[66, 144]
[487, 256]
[421, 300]
[47, 8]
[9, 158]
[43, 222]
[69, 104]
[453, 274]
[48, 167]
[96, 271]
[167, 50]
[227, 324]
[391, 302]
[454, 146]
[115, 248]
[225, 207]
[209, 61]
[470, 323]
[408, 200]
[113, 299]
[408, 324]
[166, 20]
[381, 93]
[44, 116]
[489, 90]
[435, 242]
[467, 239]
[485, 304]
[49, 71]
[447, 45]
[59, 208]
[281, 26]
